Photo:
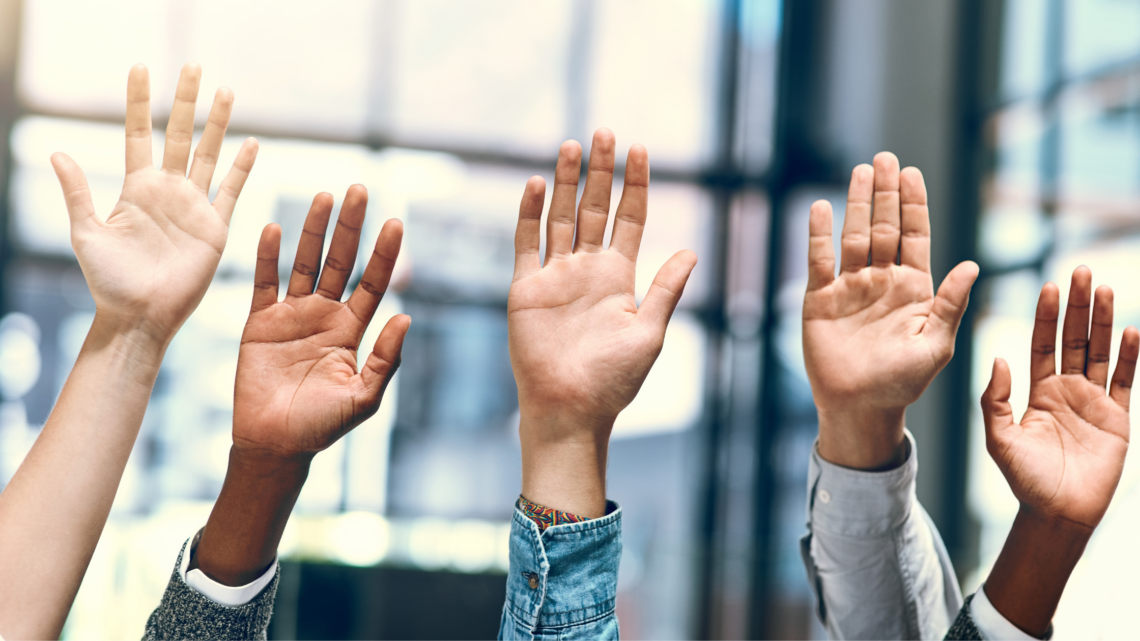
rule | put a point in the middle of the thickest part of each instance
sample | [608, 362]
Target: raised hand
[1064, 459]
[298, 389]
[580, 345]
[876, 335]
[1066, 455]
[149, 264]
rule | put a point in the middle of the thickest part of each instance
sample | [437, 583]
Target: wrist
[241, 536]
[138, 337]
[1031, 572]
[863, 438]
[564, 461]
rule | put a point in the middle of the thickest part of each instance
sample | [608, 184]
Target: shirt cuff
[223, 594]
[565, 575]
[991, 623]
[856, 503]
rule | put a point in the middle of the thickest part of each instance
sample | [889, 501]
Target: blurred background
[1024, 116]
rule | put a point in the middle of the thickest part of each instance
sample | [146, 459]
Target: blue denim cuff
[566, 575]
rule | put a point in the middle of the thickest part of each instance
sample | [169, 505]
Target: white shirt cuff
[224, 594]
[991, 623]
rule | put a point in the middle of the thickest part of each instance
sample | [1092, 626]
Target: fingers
[206, 155]
[666, 290]
[1042, 362]
[594, 210]
[997, 413]
[1121, 388]
[914, 248]
[378, 273]
[230, 188]
[1100, 338]
[629, 222]
[309, 248]
[885, 227]
[76, 193]
[385, 357]
[180, 128]
[265, 274]
[821, 254]
[856, 240]
[527, 234]
[949, 306]
[345, 241]
[138, 120]
[560, 222]
[1075, 332]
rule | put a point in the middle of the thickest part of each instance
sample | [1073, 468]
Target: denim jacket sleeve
[562, 582]
[875, 560]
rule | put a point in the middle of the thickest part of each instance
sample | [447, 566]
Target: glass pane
[482, 74]
[759, 36]
[1023, 47]
[1099, 33]
[655, 84]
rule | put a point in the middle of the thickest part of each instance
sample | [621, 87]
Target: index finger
[1043, 362]
[629, 221]
[139, 141]
[367, 295]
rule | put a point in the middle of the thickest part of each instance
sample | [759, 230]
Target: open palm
[155, 255]
[578, 340]
[876, 334]
[1065, 457]
[298, 386]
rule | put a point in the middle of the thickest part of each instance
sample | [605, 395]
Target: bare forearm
[567, 474]
[1030, 574]
[241, 537]
[54, 509]
[863, 439]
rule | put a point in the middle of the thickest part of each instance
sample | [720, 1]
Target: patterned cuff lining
[546, 517]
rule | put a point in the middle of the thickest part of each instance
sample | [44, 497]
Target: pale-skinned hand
[1066, 455]
[149, 264]
[298, 387]
[580, 345]
[876, 335]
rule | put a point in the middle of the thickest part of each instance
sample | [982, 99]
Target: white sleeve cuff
[224, 594]
[991, 623]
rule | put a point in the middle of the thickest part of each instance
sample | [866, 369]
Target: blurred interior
[1024, 116]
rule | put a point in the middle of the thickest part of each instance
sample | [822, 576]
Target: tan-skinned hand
[149, 264]
[1064, 459]
[580, 345]
[876, 335]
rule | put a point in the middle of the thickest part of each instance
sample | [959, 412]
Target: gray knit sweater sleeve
[964, 626]
[186, 614]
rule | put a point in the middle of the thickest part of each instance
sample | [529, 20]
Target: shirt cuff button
[824, 496]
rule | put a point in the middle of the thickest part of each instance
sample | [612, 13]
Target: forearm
[564, 472]
[54, 509]
[1030, 574]
[244, 529]
[868, 439]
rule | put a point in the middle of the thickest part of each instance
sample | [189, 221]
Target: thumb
[381, 365]
[997, 413]
[950, 304]
[666, 290]
[76, 193]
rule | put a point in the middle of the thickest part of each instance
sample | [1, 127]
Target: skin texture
[876, 335]
[1064, 459]
[299, 388]
[580, 345]
[147, 266]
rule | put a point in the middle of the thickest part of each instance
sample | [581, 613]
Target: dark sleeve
[186, 614]
[964, 627]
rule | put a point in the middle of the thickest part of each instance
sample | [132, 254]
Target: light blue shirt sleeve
[874, 558]
[562, 582]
